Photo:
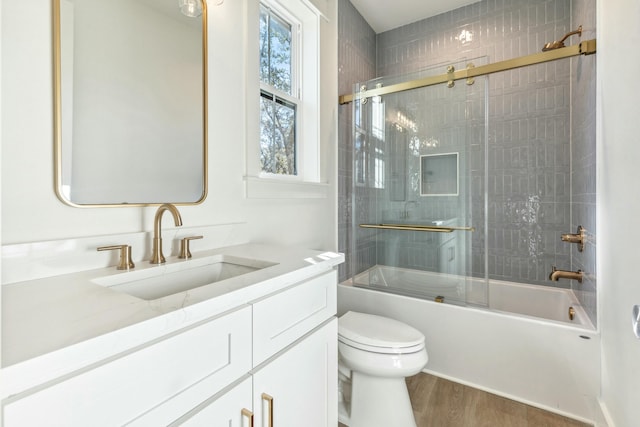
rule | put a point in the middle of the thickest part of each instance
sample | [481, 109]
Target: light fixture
[465, 36]
[190, 8]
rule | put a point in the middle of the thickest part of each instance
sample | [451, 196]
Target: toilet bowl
[375, 355]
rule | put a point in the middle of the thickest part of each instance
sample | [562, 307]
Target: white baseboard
[606, 420]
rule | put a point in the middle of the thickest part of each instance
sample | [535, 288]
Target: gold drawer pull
[269, 400]
[247, 413]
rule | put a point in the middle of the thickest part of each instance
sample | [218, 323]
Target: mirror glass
[130, 103]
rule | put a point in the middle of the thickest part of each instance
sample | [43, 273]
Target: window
[283, 99]
[278, 93]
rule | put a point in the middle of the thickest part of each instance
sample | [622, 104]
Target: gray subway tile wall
[523, 107]
[533, 113]
[356, 63]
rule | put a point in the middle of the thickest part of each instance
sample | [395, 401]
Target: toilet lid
[377, 333]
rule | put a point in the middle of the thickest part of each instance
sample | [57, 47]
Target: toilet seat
[380, 349]
[378, 334]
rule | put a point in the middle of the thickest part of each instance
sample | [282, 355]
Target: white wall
[1, 82]
[31, 211]
[619, 206]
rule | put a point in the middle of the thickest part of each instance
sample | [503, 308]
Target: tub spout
[564, 274]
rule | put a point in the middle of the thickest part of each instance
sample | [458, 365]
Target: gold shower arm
[587, 47]
[560, 43]
[410, 227]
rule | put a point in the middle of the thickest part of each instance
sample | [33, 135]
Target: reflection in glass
[408, 145]
[190, 8]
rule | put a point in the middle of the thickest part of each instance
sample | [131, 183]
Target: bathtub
[509, 339]
[516, 298]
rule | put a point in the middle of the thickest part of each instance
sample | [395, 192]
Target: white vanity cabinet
[295, 363]
[282, 345]
[296, 388]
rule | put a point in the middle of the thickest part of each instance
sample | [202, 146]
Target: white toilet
[375, 356]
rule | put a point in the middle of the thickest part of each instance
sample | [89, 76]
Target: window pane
[277, 135]
[275, 51]
[280, 60]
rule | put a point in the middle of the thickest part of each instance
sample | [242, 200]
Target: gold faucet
[563, 274]
[158, 257]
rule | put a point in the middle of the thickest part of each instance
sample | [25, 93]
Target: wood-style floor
[441, 403]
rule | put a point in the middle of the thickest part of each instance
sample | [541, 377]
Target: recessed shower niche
[439, 174]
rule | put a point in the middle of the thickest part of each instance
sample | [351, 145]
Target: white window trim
[307, 183]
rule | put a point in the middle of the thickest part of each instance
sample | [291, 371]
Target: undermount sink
[169, 279]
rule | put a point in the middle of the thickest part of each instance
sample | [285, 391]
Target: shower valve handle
[578, 237]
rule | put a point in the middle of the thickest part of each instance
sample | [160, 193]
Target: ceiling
[388, 14]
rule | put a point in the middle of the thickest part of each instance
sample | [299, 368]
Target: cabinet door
[299, 387]
[232, 409]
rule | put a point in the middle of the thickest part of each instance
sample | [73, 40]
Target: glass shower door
[419, 189]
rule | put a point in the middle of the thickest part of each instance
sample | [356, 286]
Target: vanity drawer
[122, 389]
[280, 319]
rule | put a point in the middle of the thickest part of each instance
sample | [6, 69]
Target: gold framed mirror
[130, 103]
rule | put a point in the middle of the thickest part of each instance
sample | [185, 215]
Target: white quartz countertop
[56, 325]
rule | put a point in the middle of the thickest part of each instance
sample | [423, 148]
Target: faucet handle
[185, 253]
[125, 255]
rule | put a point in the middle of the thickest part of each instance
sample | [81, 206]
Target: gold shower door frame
[587, 47]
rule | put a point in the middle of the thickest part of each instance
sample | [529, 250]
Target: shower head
[560, 43]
